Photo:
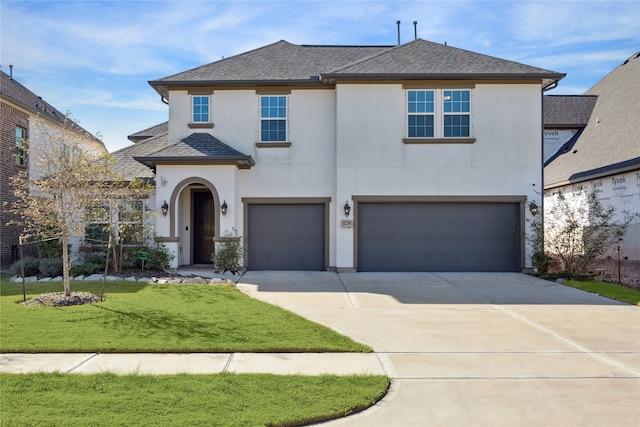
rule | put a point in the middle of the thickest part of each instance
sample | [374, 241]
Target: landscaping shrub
[86, 269]
[31, 267]
[228, 254]
[159, 257]
[51, 267]
[50, 248]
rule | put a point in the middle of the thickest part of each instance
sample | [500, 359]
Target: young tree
[63, 180]
[577, 229]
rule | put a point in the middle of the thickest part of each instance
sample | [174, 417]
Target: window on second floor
[200, 109]
[20, 153]
[439, 113]
[273, 118]
[457, 106]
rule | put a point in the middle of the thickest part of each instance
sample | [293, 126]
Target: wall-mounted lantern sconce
[165, 208]
[533, 208]
[223, 208]
[347, 209]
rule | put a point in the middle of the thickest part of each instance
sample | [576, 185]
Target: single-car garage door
[438, 237]
[286, 237]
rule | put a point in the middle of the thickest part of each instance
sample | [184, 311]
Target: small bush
[50, 248]
[86, 269]
[228, 254]
[31, 267]
[51, 267]
[159, 257]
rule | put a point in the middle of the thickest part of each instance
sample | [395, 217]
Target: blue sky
[94, 58]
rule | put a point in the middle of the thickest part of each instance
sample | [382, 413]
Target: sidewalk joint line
[82, 362]
[226, 365]
[352, 298]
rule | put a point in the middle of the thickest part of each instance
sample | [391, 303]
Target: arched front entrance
[202, 225]
[194, 216]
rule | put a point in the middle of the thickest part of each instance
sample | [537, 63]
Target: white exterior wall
[305, 169]
[505, 160]
[348, 142]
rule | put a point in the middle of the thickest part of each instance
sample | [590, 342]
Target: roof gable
[198, 148]
[421, 57]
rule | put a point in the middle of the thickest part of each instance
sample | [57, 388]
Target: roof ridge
[228, 58]
[372, 56]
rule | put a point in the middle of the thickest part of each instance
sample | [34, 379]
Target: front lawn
[147, 318]
[609, 290]
[183, 400]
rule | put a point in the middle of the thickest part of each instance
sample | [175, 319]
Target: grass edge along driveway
[151, 318]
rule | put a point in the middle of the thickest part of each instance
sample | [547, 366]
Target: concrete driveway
[477, 349]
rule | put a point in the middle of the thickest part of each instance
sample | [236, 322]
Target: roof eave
[163, 86]
[547, 78]
[241, 162]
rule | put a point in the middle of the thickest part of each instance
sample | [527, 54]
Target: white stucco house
[416, 157]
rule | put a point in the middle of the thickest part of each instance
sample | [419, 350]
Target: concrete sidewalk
[194, 363]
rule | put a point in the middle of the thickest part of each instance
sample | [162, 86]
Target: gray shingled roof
[567, 111]
[424, 58]
[610, 143]
[155, 130]
[130, 168]
[201, 148]
[287, 63]
[15, 92]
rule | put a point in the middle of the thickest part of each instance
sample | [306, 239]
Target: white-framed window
[273, 118]
[20, 153]
[129, 218]
[439, 113]
[200, 104]
[131, 222]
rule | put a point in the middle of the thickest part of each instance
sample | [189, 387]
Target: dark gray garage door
[438, 237]
[286, 237]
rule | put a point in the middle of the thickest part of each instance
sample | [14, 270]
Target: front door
[203, 227]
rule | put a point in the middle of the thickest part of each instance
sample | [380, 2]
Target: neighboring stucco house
[417, 157]
[21, 144]
[605, 155]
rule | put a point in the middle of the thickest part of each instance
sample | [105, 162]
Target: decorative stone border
[169, 280]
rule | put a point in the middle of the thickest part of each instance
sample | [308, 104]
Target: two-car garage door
[390, 236]
[438, 237]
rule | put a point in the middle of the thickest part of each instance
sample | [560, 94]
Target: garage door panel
[438, 237]
[286, 237]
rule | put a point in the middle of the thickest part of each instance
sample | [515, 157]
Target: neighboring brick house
[19, 143]
[417, 157]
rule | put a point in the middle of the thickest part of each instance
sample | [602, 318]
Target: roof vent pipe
[11, 71]
[398, 24]
[415, 30]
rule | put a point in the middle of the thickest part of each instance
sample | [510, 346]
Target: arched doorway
[194, 220]
[203, 225]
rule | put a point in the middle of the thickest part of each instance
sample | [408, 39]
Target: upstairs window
[439, 113]
[457, 106]
[420, 107]
[20, 153]
[273, 118]
[200, 109]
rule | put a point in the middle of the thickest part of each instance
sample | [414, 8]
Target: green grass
[183, 400]
[609, 290]
[139, 317]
